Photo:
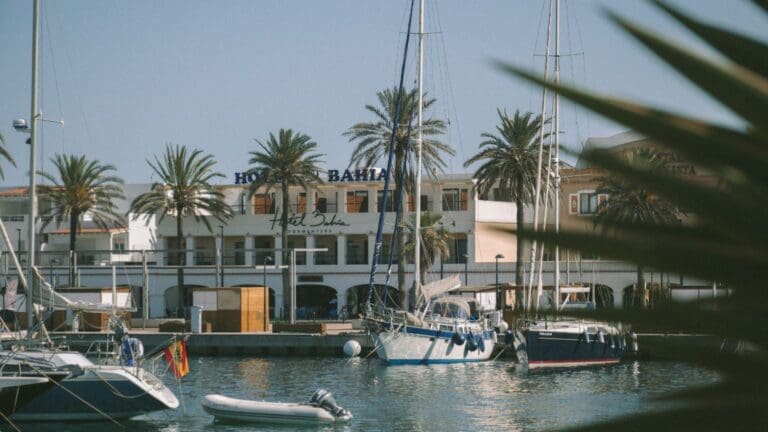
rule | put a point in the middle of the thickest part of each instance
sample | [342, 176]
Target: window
[500, 194]
[586, 202]
[264, 246]
[298, 242]
[326, 204]
[205, 251]
[386, 247]
[454, 199]
[301, 203]
[357, 202]
[119, 246]
[239, 252]
[425, 204]
[457, 249]
[390, 200]
[174, 251]
[357, 249]
[326, 258]
[264, 204]
[241, 206]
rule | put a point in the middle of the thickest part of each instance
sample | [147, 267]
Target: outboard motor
[324, 399]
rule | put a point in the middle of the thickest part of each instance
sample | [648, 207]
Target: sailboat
[562, 342]
[89, 391]
[443, 328]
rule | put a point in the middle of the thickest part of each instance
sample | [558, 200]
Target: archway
[631, 298]
[174, 300]
[357, 296]
[603, 297]
[315, 302]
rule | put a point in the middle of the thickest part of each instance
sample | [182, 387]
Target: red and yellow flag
[176, 356]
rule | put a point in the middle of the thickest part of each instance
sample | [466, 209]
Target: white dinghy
[321, 408]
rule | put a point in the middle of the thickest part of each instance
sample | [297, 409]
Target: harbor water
[491, 396]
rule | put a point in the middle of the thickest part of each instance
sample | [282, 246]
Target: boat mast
[32, 168]
[556, 159]
[537, 195]
[419, 137]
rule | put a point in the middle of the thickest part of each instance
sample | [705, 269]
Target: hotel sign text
[334, 176]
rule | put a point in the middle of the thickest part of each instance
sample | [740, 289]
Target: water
[482, 397]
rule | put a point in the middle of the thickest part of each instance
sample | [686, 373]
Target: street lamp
[498, 287]
[221, 253]
[466, 269]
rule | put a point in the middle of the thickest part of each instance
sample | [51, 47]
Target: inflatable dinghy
[321, 408]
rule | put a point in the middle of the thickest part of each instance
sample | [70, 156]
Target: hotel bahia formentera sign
[333, 176]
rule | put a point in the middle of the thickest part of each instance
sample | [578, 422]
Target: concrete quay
[259, 344]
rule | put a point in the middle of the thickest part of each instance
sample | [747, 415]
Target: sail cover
[47, 297]
[442, 286]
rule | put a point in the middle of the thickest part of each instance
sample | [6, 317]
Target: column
[310, 255]
[189, 245]
[341, 304]
[341, 246]
[371, 246]
[250, 244]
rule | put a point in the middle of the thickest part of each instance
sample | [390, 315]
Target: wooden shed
[233, 309]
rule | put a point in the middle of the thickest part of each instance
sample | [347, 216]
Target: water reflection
[480, 396]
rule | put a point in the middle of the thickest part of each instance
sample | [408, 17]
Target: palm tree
[4, 153]
[636, 204]
[434, 241]
[83, 187]
[726, 240]
[183, 189]
[510, 160]
[373, 140]
[285, 160]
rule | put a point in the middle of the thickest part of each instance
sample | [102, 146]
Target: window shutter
[463, 202]
[573, 204]
[602, 201]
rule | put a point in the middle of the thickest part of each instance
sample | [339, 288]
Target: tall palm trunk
[640, 291]
[182, 258]
[402, 237]
[286, 256]
[73, 217]
[520, 224]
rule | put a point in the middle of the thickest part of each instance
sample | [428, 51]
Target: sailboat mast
[32, 167]
[537, 194]
[556, 160]
[417, 192]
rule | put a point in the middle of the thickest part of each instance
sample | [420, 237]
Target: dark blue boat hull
[565, 349]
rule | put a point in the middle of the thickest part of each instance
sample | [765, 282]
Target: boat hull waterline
[242, 410]
[416, 345]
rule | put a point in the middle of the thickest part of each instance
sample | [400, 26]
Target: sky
[128, 77]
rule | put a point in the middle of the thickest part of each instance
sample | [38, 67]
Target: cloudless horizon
[129, 77]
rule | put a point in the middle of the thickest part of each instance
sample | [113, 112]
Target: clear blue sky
[129, 77]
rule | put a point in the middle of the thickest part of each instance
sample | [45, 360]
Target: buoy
[503, 326]
[458, 338]
[352, 348]
[600, 337]
[471, 342]
[586, 336]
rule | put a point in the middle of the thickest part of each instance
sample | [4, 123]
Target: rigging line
[580, 41]
[390, 157]
[451, 105]
[569, 39]
[535, 49]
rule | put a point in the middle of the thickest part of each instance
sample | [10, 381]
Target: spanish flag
[176, 356]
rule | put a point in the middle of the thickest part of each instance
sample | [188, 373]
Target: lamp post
[466, 269]
[498, 287]
[221, 254]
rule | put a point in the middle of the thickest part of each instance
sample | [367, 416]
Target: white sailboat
[562, 342]
[90, 391]
[443, 328]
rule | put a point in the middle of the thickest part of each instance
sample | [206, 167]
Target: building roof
[609, 142]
